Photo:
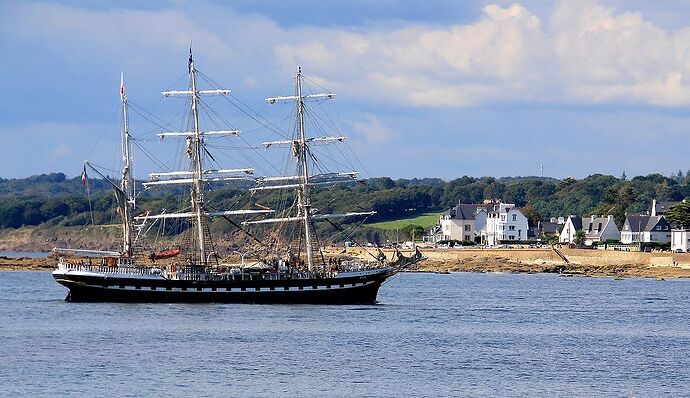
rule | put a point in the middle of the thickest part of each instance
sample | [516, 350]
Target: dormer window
[514, 217]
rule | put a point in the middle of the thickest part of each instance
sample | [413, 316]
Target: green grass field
[426, 220]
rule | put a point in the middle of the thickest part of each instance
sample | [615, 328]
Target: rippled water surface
[431, 335]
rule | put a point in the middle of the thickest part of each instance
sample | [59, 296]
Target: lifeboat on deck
[165, 254]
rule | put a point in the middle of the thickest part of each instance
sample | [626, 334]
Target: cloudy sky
[428, 88]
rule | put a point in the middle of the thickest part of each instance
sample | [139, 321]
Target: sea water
[481, 335]
[16, 254]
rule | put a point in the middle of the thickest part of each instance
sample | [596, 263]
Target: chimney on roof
[654, 207]
[610, 217]
[593, 217]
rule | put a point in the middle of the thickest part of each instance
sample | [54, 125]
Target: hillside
[54, 201]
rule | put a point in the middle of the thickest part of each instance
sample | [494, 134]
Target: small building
[550, 228]
[465, 222]
[643, 228]
[505, 223]
[596, 229]
[680, 240]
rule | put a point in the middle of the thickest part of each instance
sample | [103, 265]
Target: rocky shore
[26, 264]
[579, 261]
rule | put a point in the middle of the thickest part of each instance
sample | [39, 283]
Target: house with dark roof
[660, 208]
[548, 228]
[596, 229]
[463, 222]
[644, 228]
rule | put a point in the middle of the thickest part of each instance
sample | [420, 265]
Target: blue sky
[425, 89]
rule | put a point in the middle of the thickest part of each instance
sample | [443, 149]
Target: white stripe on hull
[228, 289]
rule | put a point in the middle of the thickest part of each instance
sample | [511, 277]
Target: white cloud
[60, 151]
[584, 52]
[587, 53]
[373, 129]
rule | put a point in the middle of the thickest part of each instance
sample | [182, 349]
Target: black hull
[111, 288]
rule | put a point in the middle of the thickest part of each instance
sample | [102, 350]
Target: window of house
[512, 237]
[665, 227]
[590, 227]
[514, 217]
[599, 227]
[467, 227]
[467, 237]
[658, 227]
[519, 232]
[503, 218]
[511, 227]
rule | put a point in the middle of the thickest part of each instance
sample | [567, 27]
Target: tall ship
[292, 267]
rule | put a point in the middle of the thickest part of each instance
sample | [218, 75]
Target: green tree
[413, 231]
[679, 214]
[532, 215]
[579, 238]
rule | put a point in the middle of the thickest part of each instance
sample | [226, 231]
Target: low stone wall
[575, 256]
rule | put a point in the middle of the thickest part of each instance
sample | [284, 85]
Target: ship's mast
[196, 176]
[127, 183]
[302, 181]
[303, 196]
[197, 192]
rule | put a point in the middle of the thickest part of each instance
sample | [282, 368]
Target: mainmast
[303, 197]
[197, 192]
[196, 176]
[127, 184]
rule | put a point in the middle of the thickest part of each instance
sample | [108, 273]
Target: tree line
[55, 200]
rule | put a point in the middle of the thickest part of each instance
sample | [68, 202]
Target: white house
[642, 228]
[463, 222]
[505, 222]
[596, 229]
[680, 240]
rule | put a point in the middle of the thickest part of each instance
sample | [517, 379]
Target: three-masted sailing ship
[290, 275]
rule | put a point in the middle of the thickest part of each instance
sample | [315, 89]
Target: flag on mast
[83, 176]
[122, 84]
